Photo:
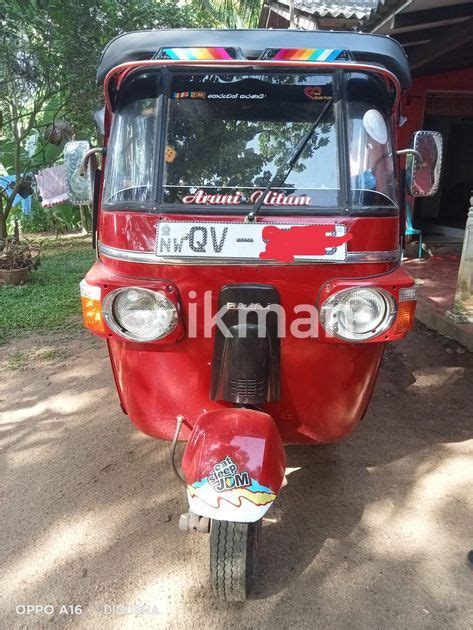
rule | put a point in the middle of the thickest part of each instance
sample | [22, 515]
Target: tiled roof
[349, 9]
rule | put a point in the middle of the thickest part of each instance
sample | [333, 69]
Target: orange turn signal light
[90, 296]
[92, 313]
[405, 317]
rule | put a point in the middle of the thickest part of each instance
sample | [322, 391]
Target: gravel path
[370, 533]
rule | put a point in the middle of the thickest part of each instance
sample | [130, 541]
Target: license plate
[251, 241]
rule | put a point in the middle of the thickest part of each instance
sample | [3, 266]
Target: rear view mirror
[426, 164]
[79, 186]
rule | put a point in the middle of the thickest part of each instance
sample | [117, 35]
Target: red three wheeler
[248, 220]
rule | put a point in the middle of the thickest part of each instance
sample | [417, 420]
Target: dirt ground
[372, 532]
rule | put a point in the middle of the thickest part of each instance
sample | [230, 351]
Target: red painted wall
[413, 103]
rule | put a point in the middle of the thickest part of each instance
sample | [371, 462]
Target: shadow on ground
[370, 532]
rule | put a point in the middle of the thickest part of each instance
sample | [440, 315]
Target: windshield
[228, 136]
[225, 137]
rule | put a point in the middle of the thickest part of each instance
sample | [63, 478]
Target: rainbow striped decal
[306, 54]
[198, 54]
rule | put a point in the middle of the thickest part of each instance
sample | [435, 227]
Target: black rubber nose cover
[246, 356]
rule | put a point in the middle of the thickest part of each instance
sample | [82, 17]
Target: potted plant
[17, 259]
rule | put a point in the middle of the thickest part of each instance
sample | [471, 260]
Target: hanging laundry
[79, 189]
[7, 183]
[52, 186]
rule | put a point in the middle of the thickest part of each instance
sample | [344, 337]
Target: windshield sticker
[314, 92]
[235, 96]
[230, 96]
[275, 198]
[189, 95]
[170, 154]
[199, 54]
[306, 54]
[202, 197]
[375, 126]
[271, 198]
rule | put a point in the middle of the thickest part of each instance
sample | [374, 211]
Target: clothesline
[52, 189]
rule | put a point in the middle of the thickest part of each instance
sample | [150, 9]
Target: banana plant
[231, 13]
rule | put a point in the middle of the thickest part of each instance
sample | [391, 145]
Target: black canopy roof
[363, 47]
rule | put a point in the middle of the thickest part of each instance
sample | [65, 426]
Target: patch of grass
[53, 354]
[18, 360]
[22, 359]
[50, 302]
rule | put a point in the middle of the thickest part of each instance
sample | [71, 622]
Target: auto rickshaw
[248, 205]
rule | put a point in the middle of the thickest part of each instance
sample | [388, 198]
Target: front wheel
[233, 558]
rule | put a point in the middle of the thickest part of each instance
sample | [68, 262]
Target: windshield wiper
[295, 155]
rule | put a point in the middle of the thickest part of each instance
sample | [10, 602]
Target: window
[131, 164]
[372, 176]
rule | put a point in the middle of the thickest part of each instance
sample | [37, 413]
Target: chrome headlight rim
[107, 311]
[334, 300]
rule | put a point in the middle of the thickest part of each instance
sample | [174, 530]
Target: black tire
[233, 558]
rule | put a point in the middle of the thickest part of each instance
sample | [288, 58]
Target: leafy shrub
[58, 219]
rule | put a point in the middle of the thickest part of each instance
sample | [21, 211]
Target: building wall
[441, 207]
[413, 105]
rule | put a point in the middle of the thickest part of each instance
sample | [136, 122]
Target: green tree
[49, 51]
[231, 13]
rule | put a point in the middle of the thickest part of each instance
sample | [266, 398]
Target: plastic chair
[410, 229]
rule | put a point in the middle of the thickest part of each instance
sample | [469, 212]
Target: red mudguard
[234, 465]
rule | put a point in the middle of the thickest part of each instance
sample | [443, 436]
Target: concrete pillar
[292, 14]
[462, 311]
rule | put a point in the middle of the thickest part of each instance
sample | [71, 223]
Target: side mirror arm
[410, 152]
[87, 155]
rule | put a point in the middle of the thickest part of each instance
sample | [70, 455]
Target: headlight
[139, 314]
[358, 314]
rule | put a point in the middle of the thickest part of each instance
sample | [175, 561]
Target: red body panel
[137, 231]
[234, 465]
[325, 387]
[249, 437]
